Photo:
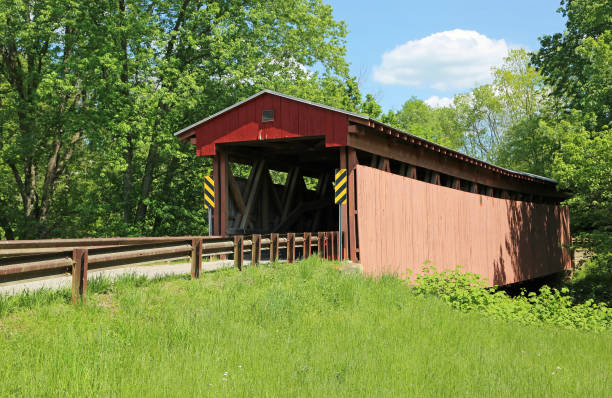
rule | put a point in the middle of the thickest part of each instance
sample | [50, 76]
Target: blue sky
[434, 49]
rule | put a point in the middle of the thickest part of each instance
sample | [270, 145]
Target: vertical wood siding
[291, 119]
[404, 223]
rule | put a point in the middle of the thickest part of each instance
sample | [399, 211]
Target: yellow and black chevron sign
[340, 187]
[209, 193]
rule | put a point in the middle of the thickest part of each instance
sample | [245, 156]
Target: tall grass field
[287, 330]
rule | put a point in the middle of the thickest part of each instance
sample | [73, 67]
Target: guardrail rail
[26, 259]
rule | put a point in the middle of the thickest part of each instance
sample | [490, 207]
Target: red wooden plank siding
[291, 119]
[404, 223]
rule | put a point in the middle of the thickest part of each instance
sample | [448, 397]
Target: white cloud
[439, 102]
[454, 59]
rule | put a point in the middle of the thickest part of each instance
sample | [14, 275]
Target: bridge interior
[277, 186]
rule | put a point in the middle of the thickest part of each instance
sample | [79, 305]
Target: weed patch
[468, 292]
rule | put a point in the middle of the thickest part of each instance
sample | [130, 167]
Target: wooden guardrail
[25, 259]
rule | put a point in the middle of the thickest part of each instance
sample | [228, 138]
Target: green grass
[301, 329]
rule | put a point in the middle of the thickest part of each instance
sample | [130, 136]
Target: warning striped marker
[209, 193]
[340, 187]
[340, 199]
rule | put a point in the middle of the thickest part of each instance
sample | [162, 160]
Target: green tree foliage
[578, 65]
[494, 116]
[435, 124]
[91, 92]
[583, 165]
[577, 62]
[370, 107]
[48, 95]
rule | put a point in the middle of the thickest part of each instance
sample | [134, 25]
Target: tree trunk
[127, 181]
[147, 182]
[170, 173]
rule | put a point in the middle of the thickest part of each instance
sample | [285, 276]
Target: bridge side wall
[404, 223]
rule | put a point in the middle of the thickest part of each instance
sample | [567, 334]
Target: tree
[48, 91]
[576, 63]
[495, 115]
[370, 107]
[435, 124]
[90, 93]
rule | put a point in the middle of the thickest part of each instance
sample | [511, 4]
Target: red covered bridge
[410, 201]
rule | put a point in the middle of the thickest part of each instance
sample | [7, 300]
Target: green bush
[469, 292]
[593, 280]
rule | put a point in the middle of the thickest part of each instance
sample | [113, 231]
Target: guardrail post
[238, 251]
[290, 247]
[255, 249]
[196, 257]
[79, 275]
[307, 244]
[334, 239]
[321, 245]
[326, 245]
[273, 248]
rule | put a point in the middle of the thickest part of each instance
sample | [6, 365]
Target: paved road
[150, 271]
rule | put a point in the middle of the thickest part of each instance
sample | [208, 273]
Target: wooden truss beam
[388, 147]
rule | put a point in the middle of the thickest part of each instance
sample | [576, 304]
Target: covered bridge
[410, 201]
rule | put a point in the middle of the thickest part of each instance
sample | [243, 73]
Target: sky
[434, 49]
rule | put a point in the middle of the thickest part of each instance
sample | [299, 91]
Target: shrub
[467, 291]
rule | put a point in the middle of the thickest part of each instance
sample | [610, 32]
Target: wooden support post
[320, 242]
[456, 183]
[489, 191]
[265, 203]
[275, 199]
[345, 208]
[333, 237]
[290, 247]
[220, 171]
[307, 244]
[323, 246]
[224, 202]
[411, 172]
[435, 178]
[292, 181]
[79, 274]
[351, 230]
[215, 210]
[235, 194]
[238, 251]
[255, 249]
[252, 194]
[474, 187]
[196, 257]
[386, 165]
[322, 186]
[330, 245]
[273, 248]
